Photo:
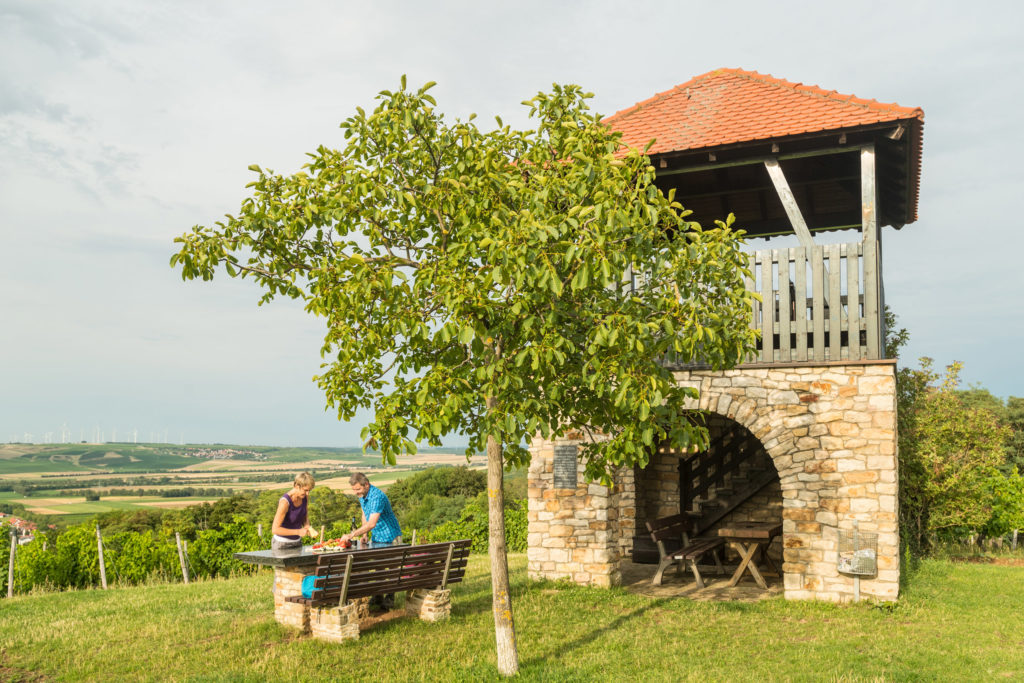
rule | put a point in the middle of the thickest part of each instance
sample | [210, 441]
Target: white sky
[122, 124]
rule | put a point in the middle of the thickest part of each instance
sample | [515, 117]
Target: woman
[291, 521]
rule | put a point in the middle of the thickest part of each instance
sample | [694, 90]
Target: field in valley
[54, 479]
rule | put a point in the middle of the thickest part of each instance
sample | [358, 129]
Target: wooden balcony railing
[819, 304]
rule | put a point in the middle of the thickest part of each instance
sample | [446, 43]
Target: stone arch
[830, 431]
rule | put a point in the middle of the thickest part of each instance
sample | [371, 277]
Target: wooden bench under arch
[677, 528]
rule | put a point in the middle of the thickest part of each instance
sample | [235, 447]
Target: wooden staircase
[732, 470]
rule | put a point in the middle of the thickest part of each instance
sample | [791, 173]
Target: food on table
[332, 545]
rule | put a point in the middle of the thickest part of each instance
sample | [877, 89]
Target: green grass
[955, 622]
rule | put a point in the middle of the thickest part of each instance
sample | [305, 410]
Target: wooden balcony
[818, 304]
[822, 304]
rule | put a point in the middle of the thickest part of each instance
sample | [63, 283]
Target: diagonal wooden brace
[447, 565]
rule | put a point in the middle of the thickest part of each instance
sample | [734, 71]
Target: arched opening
[733, 480]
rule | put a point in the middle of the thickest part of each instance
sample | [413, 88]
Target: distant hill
[126, 458]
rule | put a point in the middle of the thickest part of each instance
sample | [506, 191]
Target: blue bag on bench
[307, 585]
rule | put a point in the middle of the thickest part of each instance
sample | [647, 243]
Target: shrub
[211, 553]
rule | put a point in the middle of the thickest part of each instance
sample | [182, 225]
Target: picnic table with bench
[677, 528]
[345, 580]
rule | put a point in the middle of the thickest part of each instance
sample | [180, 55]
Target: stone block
[817, 466]
[863, 477]
[292, 614]
[429, 604]
[880, 384]
[863, 505]
[335, 624]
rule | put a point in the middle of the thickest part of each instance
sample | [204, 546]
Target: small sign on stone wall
[564, 467]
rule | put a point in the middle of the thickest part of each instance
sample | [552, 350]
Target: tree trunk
[501, 598]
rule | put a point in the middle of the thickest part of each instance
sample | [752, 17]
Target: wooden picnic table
[746, 538]
[291, 566]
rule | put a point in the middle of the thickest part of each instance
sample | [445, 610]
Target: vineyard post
[10, 567]
[1015, 538]
[181, 557]
[103, 567]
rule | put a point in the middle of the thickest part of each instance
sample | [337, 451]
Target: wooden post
[447, 565]
[259, 529]
[103, 566]
[1014, 546]
[10, 566]
[873, 311]
[181, 557]
[344, 585]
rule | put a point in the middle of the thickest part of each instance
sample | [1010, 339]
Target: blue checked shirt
[387, 528]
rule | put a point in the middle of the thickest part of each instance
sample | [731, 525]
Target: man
[378, 519]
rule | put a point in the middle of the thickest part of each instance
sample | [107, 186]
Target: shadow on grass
[592, 635]
[473, 594]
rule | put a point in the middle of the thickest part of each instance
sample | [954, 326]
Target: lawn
[955, 621]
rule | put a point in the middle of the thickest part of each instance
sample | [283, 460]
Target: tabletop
[302, 556]
[753, 531]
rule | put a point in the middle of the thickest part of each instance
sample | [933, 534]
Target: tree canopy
[452, 265]
[495, 284]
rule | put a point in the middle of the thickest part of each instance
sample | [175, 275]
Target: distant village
[224, 454]
[24, 529]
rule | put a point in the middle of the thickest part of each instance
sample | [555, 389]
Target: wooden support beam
[873, 306]
[789, 203]
[447, 566]
[755, 160]
[344, 586]
[868, 195]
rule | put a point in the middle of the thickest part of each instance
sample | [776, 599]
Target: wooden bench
[344, 576]
[678, 527]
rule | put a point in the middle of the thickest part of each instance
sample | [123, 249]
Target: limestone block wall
[830, 431]
[576, 533]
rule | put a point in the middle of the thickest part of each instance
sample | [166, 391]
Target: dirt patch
[380, 618]
[637, 578]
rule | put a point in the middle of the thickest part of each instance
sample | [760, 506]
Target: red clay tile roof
[728, 106]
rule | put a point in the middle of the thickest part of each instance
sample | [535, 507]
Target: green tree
[950, 457]
[420, 491]
[1015, 442]
[480, 283]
